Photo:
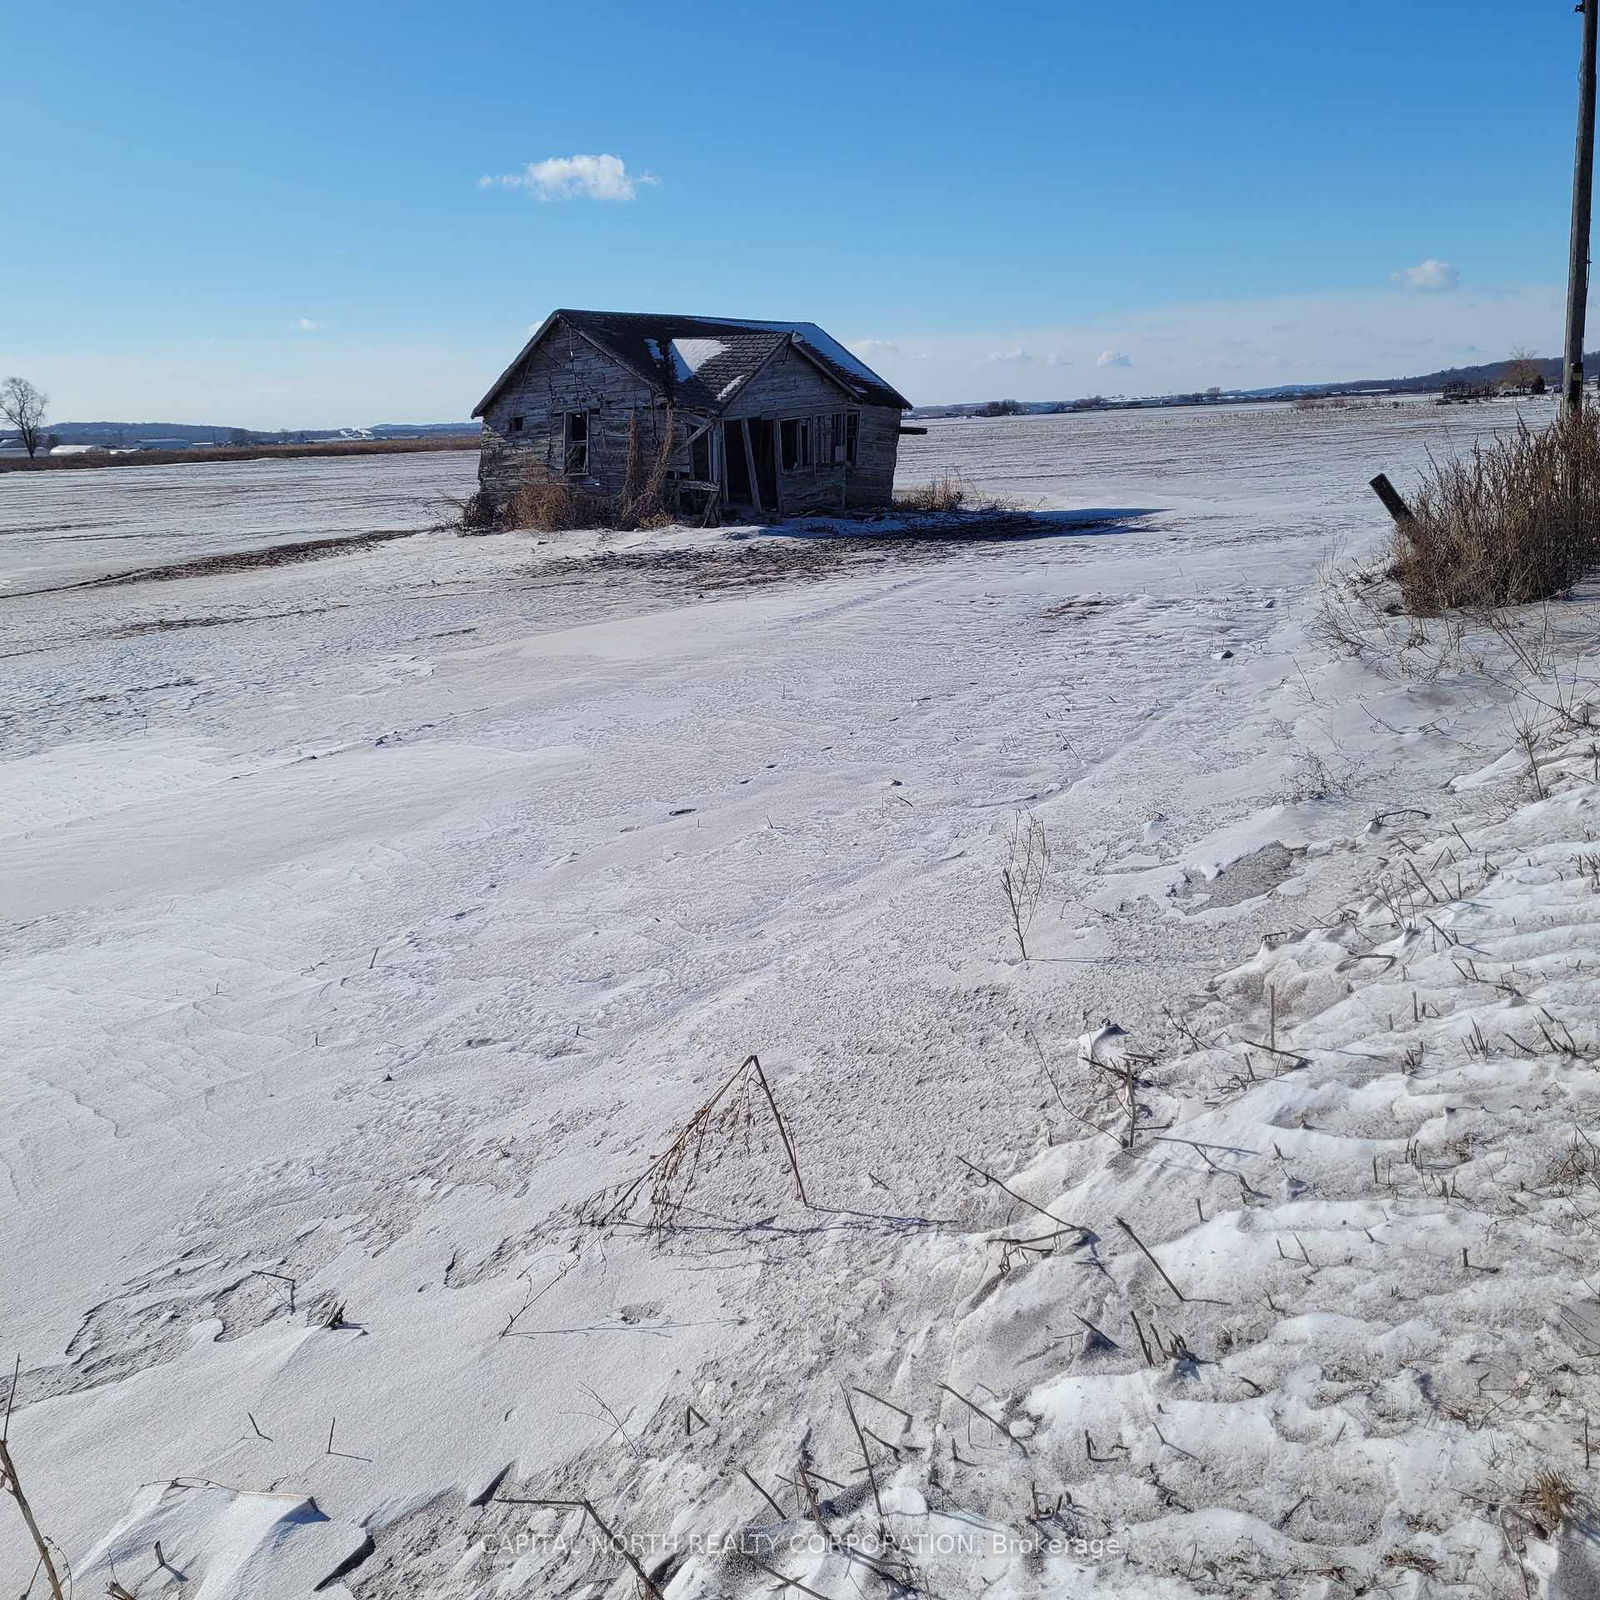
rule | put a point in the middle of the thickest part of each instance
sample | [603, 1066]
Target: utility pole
[1582, 197]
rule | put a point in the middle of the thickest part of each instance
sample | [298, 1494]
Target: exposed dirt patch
[250, 452]
[736, 566]
[133, 630]
[276, 555]
[1081, 608]
[821, 551]
[1258, 873]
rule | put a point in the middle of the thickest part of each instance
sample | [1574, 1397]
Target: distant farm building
[755, 417]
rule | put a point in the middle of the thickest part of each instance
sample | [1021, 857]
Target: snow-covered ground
[71, 527]
[373, 921]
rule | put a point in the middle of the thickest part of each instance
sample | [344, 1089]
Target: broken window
[516, 424]
[700, 456]
[836, 437]
[575, 443]
[796, 443]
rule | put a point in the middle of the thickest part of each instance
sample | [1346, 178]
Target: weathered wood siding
[788, 386]
[871, 481]
[566, 373]
[791, 386]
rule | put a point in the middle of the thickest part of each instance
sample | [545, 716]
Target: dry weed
[666, 1183]
[11, 1484]
[1512, 523]
[551, 503]
[951, 492]
[1023, 877]
[1546, 1500]
[947, 492]
[1315, 776]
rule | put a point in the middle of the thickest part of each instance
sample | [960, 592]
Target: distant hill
[118, 435]
[421, 430]
[1488, 372]
[1423, 383]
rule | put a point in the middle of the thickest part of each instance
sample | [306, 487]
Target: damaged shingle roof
[703, 362]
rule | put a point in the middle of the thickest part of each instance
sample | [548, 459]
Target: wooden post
[1582, 199]
[750, 464]
[1392, 503]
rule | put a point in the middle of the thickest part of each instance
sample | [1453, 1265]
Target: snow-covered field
[69, 527]
[373, 921]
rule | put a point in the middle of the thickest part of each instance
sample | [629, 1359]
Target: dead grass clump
[1577, 1166]
[948, 492]
[1546, 1500]
[474, 515]
[1512, 523]
[546, 500]
[1413, 1561]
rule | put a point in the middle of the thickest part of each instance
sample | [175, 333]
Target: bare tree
[1521, 371]
[23, 407]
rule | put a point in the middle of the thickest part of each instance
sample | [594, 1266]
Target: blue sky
[274, 215]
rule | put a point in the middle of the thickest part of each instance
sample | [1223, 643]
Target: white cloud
[574, 178]
[1429, 277]
[1113, 358]
[306, 325]
[876, 347]
[1015, 357]
[1056, 359]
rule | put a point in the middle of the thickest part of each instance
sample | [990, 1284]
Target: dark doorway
[735, 466]
[750, 463]
[764, 441]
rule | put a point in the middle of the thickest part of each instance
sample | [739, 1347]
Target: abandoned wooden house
[754, 418]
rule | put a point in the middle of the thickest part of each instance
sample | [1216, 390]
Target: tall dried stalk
[650, 507]
[633, 471]
[1023, 877]
[668, 1180]
[614, 1542]
[642, 503]
[11, 1484]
